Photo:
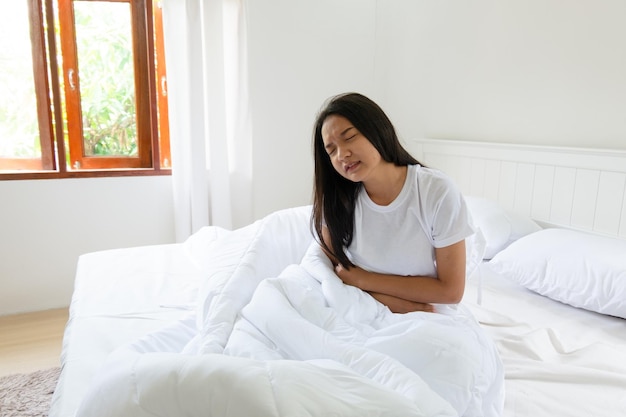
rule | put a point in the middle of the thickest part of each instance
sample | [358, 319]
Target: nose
[343, 152]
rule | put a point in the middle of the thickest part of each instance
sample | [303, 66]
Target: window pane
[19, 129]
[107, 86]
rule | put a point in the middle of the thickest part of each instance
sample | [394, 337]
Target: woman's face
[353, 156]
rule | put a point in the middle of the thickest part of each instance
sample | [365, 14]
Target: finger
[425, 307]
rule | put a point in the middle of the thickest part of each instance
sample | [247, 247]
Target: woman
[390, 226]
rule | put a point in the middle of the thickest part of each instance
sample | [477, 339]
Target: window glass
[107, 87]
[19, 129]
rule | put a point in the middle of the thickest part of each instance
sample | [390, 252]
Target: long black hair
[334, 196]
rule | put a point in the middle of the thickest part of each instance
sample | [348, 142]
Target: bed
[213, 326]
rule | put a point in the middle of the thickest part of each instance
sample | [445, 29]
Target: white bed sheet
[559, 360]
[119, 296]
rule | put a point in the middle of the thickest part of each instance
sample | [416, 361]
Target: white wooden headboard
[577, 188]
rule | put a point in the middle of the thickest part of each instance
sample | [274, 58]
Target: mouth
[351, 167]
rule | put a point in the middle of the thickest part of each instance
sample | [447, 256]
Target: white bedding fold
[278, 334]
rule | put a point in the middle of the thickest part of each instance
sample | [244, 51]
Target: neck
[386, 186]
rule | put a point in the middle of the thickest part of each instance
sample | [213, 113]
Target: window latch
[70, 76]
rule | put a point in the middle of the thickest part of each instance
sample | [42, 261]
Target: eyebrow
[344, 132]
[328, 145]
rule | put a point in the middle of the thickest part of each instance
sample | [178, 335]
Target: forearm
[446, 288]
[418, 289]
[400, 305]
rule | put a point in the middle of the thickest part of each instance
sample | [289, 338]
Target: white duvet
[276, 333]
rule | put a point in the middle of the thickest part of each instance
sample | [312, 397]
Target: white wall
[527, 71]
[46, 224]
[301, 53]
[549, 72]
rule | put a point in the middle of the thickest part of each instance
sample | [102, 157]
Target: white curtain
[205, 48]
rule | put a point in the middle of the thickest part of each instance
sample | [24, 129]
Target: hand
[429, 308]
[356, 277]
[349, 276]
[399, 305]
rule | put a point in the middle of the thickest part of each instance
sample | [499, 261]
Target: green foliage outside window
[103, 37]
[19, 131]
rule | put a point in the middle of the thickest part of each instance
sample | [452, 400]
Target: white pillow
[576, 268]
[500, 227]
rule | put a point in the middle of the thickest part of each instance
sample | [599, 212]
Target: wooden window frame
[150, 99]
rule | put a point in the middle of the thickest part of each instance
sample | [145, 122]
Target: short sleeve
[444, 207]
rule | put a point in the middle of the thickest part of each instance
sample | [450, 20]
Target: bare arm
[402, 294]
[326, 239]
[400, 305]
[446, 288]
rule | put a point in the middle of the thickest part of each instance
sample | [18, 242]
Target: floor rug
[27, 395]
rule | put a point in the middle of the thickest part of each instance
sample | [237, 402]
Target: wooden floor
[31, 341]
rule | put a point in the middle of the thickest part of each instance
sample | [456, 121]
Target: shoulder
[443, 207]
[431, 179]
[436, 191]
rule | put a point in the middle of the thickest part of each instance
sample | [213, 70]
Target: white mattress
[119, 296]
[559, 361]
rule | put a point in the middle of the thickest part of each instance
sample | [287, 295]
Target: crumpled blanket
[276, 333]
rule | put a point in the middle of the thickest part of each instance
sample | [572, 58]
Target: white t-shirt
[401, 238]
